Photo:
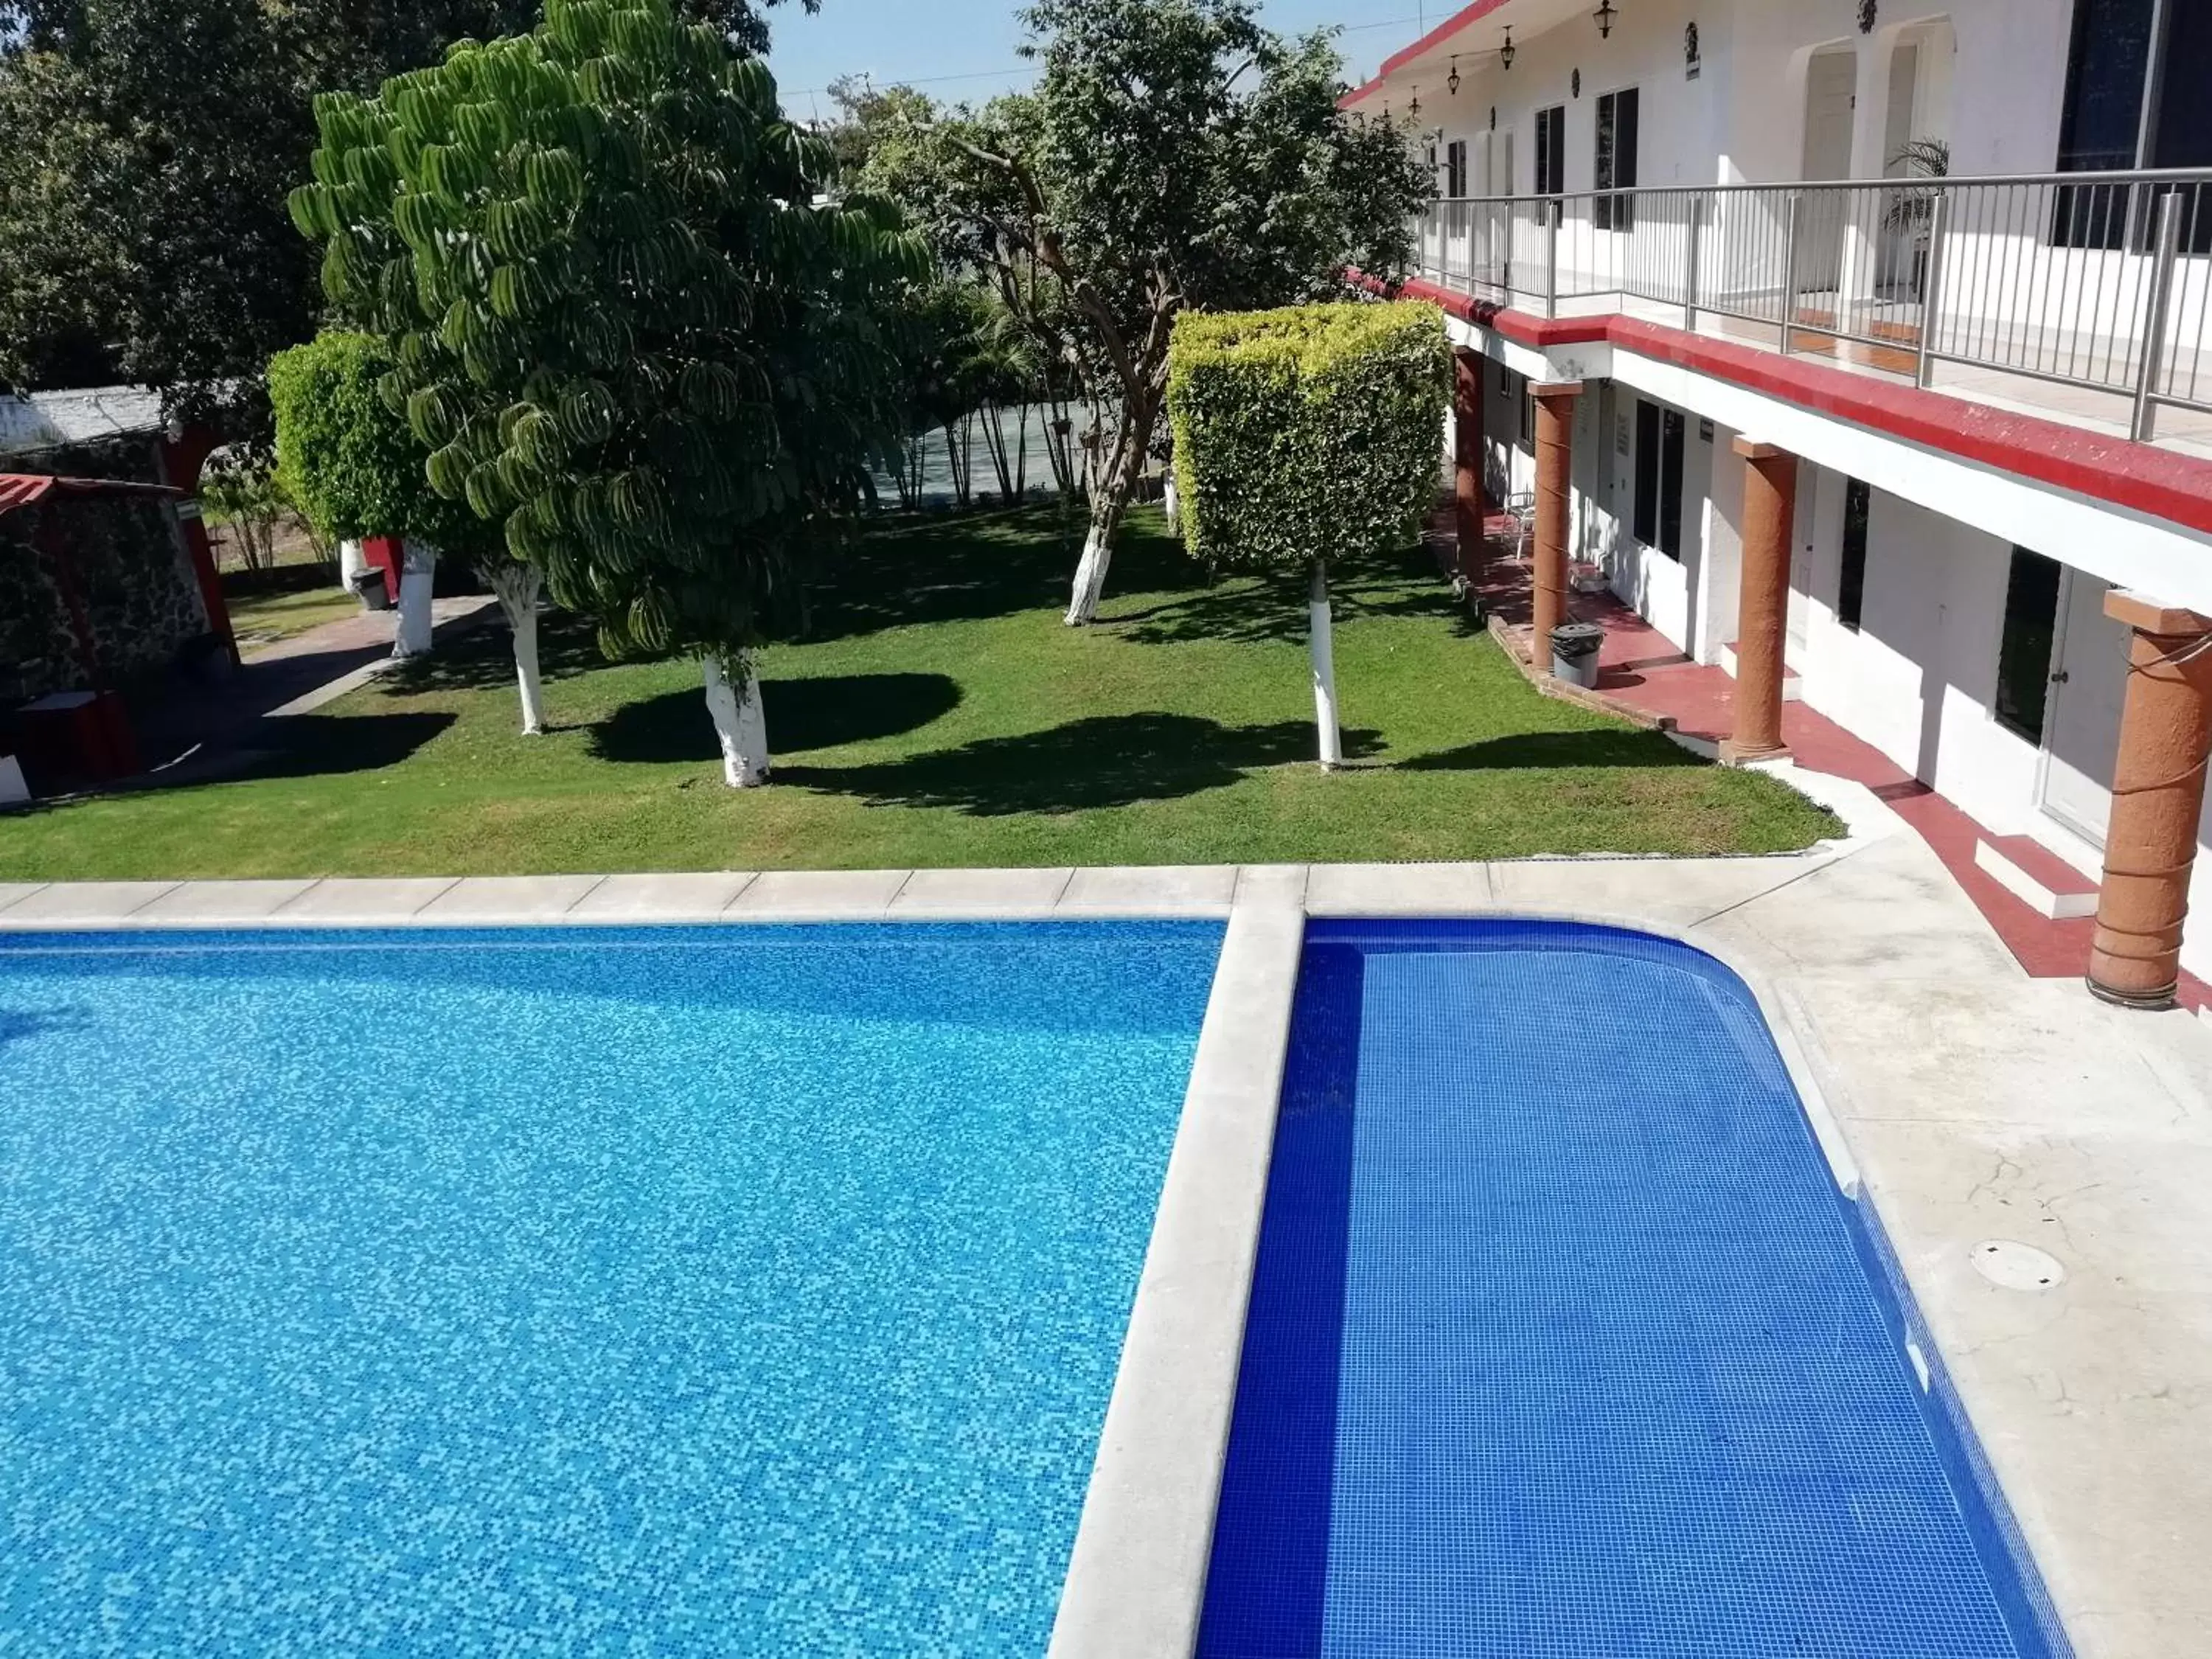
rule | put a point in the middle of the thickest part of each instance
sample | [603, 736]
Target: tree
[356, 469]
[149, 145]
[633, 332]
[1306, 435]
[1174, 155]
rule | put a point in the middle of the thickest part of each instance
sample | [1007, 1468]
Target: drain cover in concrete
[2016, 1267]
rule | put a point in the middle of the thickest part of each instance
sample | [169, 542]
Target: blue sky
[965, 48]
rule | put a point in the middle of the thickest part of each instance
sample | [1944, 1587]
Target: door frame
[2059, 679]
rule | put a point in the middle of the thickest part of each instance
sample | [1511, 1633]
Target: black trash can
[1574, 653]
[369, 588]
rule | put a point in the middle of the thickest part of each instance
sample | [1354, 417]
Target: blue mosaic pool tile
[1563, 1345]
[713, 1291]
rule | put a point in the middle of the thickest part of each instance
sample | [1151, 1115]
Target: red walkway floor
[1642, 668]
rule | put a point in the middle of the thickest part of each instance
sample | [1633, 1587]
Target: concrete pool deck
[1976, 1103]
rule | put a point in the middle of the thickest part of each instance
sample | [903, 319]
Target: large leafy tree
[147, 147]
[1175, 156]
[631, 325]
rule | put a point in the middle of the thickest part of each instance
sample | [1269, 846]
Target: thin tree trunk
[1324, 668]
[518, 586]
[994, 440]
[1022, 456]
[959, 459]
[733, 703]
[417, 573]
[1109, 498]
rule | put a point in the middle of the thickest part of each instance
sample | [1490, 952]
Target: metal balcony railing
[2097, 281]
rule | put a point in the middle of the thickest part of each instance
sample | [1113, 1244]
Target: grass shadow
[324, 745]
[803, 714]
[1114, 760]
[969, 566]
[1251, 611]
[481, 659]
[1553, 750]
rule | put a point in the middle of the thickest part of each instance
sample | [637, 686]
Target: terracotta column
[1467, 456]
[1770, 509]
[1555, 444]
[2158, 796]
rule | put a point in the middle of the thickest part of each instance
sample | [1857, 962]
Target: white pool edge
[1136, 1578]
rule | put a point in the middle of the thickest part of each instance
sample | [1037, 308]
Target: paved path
[199, 727]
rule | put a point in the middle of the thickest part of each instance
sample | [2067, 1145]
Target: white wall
[1991, 78]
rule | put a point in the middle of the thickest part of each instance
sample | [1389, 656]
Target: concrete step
[1793, 689]
[2037, 877]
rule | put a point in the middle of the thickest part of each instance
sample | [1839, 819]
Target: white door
[1830, 91]
[2081, 720]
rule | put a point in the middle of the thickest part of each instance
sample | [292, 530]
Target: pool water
[726, 1291]
[1565, 1343]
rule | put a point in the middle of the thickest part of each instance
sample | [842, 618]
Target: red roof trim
[1442, 33]
[2159, 483]
[22, 489]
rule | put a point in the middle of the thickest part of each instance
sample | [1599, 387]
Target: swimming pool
[1563, 1342]
[715, 1290]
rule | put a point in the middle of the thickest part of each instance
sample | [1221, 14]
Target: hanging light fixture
[1453, 82]
[1607, 11]
[1506, 51]
[1414, 109]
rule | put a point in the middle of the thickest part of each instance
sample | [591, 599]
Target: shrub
[1307, 434]
[348, 459]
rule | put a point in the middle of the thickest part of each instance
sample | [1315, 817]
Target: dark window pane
[2105, 72]
[1646, 522]
[1851, 583]
[1670, 485]
[1615, 164]
[2106, 69]
[2182, 137]
[2030, 627]
[1552, 151]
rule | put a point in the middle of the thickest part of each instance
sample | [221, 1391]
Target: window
[1850, 582]
[1552, 151]
[1657, 512]
[1616, 160]
[1456, 169]
[2031, 629]
[2132, 75]
[1528, 416]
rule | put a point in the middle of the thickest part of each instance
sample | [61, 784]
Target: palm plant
[1909, 209]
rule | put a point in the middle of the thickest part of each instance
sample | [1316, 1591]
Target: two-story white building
[1864, 345]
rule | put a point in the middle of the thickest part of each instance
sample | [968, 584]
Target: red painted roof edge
[2159, 483]
[1442, 31]
[22, 489]
[1358, 93]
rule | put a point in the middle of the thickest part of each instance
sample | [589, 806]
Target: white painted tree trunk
[352, 561]
[1324, 669]
[518, 586]
[1170, 505]
[418, 571]
[733, 698]
[1090, 575]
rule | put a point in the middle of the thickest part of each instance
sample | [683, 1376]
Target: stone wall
[125, 559]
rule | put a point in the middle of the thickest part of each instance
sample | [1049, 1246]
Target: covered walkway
[1641, 669]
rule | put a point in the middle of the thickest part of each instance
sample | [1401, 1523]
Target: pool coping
[1136, 1575]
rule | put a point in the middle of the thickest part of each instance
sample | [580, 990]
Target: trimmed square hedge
[1307, 434]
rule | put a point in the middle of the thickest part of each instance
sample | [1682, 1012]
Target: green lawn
[939, 715]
